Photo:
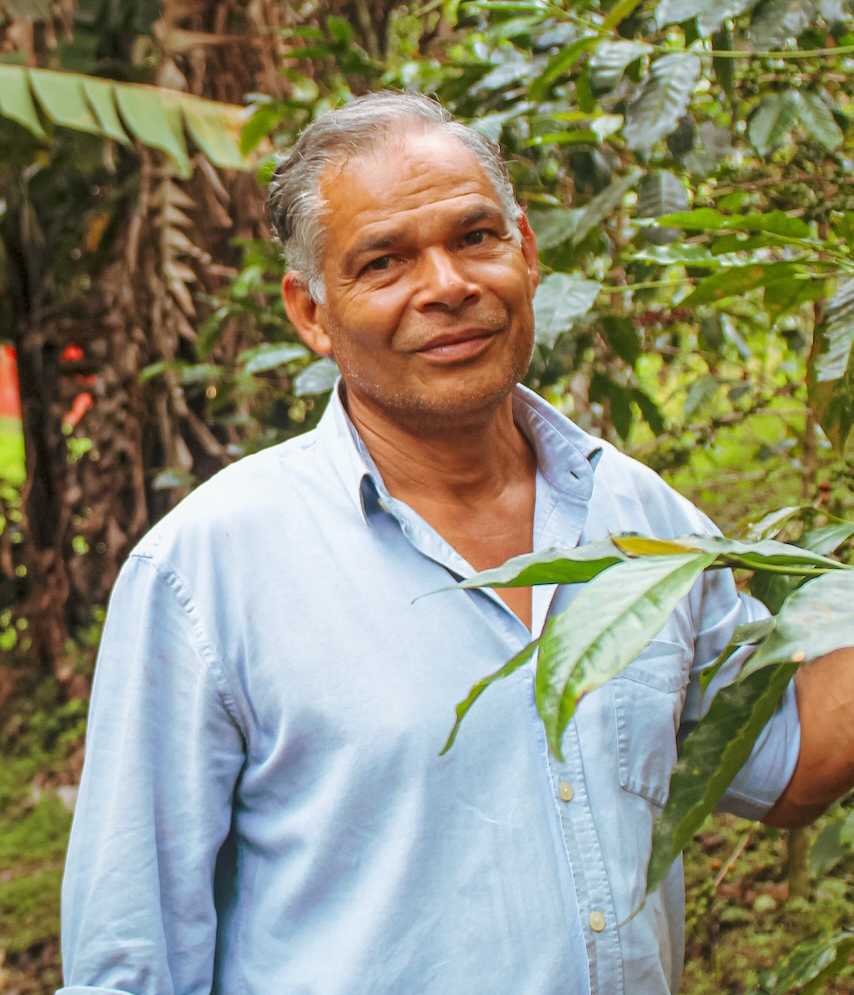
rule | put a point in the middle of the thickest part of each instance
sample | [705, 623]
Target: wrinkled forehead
[416, 164]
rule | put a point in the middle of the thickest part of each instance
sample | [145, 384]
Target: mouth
[457, 346]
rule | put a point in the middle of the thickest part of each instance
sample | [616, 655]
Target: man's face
[429, 292]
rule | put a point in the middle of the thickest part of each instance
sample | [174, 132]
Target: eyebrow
[368, 246]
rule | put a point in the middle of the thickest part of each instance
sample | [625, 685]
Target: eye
[479, 236]
[378, 265]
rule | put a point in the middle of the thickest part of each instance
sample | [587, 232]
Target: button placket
[593, 888]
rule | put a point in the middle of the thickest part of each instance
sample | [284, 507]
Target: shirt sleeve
[771, 763]
[163, 753]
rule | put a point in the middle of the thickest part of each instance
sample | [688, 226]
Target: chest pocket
[648, 699]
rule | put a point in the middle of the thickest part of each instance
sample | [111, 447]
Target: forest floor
[740, 920]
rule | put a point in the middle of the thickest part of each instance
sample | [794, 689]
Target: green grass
[33, 836]
[11, 451]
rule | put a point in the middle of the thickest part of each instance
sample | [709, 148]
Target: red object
[71, 353]
[81, 405]
[10, 399]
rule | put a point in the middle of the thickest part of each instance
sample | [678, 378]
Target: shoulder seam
[207, 650]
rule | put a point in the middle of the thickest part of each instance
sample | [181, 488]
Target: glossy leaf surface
[604, 629]
[561, 300]
[711, 756]
[815, 619]
[550, 566]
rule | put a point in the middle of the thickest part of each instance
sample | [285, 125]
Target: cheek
[376, 311]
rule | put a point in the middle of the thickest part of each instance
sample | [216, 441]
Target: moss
[38, 836]
[29, 909]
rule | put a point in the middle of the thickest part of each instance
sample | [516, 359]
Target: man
[264, 809]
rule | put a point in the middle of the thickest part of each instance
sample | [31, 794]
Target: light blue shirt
[264, 810]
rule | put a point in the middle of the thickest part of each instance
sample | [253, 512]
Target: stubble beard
[422, 412]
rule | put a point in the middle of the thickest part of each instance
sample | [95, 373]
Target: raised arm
[825, 767]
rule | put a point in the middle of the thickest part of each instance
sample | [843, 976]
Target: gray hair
[296, 207]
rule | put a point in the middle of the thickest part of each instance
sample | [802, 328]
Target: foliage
[685, 165]
[631, 586]
[118, 111]
[740, 922]
[11, 451]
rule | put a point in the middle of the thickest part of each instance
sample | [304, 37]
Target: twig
[732, 859]
[773, 181]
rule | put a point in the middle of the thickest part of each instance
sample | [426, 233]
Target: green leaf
[618, 13]
[770, 523]
[723, 68]
[603, 630]
[318, 378]
[557, 565]
[155, 123]
[710, 14]
[649, 409]
[154, 370]
[340, 29]
[663, 100]
[827, 538]
[154, 115]
[578, 135]
[678, 252]
[764, 554]
[746, 634]
[562, 299]
[99, 93]
[194, 373]
[830, 376]
[604, 389]
[776, 23]
[737, 280]
[833, 844]
[553, 226]
[263, 119]
[16, 100]
[609, 61]
[558, 65]
[771, 222]
[712, 755]
[809, 965]
[270, 355]
[677, 11]
[699, 393]
[814, 620]
[818, 121]
[216, 134]
[622, 336]
[787, 294]
[480, 686]
[62, 98]
[772, 120]
[661, 192]
[603, 205]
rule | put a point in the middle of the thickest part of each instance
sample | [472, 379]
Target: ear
[305, 314]
[529, 249]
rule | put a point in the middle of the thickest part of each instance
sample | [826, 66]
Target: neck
[471, 460]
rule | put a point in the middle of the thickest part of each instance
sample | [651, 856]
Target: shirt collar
[566, 455]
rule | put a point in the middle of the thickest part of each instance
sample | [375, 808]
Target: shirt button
[597, 922]
[565, 791]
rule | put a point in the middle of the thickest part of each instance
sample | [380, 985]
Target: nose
[443, 283]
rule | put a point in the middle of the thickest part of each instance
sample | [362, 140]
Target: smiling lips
[457, 346]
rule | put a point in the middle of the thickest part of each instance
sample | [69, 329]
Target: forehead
[405, 179]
